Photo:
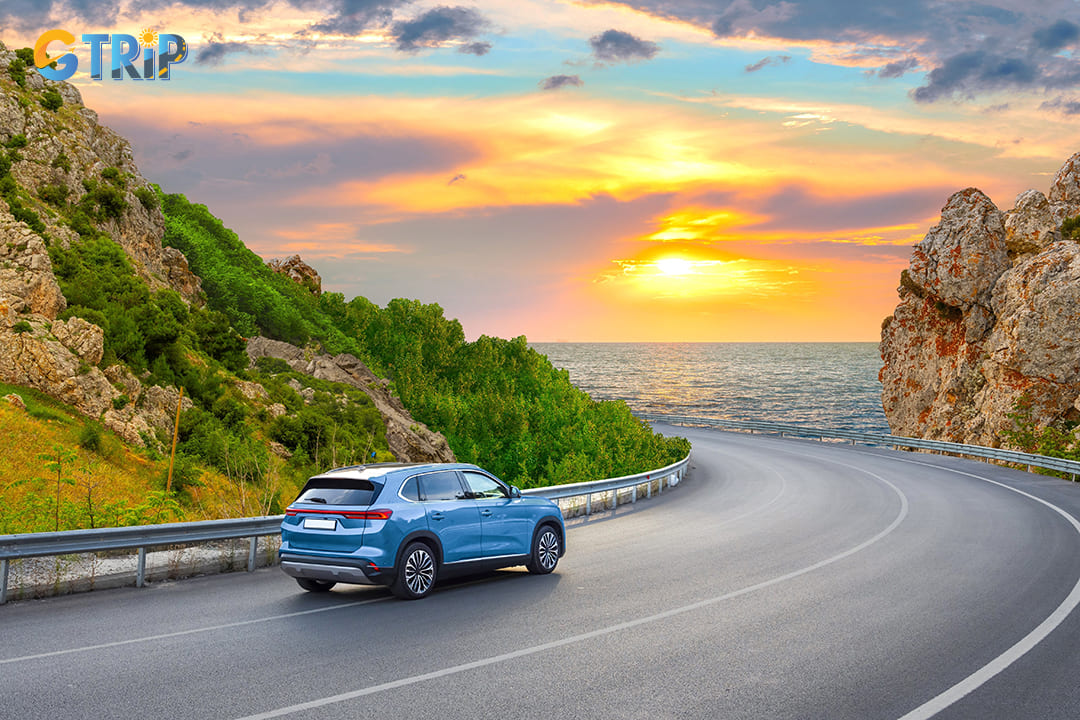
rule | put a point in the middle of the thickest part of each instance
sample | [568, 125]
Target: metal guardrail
[897, 441]
[27, 545]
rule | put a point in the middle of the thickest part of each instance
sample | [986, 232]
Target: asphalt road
[781, 579]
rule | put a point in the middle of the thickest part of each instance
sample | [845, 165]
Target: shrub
[114, 176]
[90, 436]
[51, 100]
[271, 365]
[61, 161]
[147, 197]
[55, 194]
[26, 215]
[16, 142]
[26, 55]
[21, 327]
[102, 201]
[17, 71]
[119, 403]
[1070, 229]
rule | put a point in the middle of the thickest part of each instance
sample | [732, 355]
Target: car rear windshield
[339, 491]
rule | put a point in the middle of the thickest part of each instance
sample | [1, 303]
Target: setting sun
[674, 266]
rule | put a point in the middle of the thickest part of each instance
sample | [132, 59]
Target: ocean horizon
[814, 384]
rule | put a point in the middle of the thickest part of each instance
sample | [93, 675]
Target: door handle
[436, 516]
[485, 513]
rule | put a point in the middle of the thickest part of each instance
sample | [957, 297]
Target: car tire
[416, 573]
[316, 586]
[545, 551]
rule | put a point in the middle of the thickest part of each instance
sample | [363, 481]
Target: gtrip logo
[157, 52]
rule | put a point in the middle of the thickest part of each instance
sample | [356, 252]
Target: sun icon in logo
[148, 37]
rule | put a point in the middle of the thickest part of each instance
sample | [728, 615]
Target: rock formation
[989, 316]
[63, 156]
[298, 271]
[409, 440]
[61, 151]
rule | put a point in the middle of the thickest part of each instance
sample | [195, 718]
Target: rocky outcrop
[409, 440]
[989, 315]
[59, 358]
[26, 275]
[61, 151]
[298, 271]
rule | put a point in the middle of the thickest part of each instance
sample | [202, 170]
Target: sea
[828, 385]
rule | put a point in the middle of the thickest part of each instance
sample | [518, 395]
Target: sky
[608, 170]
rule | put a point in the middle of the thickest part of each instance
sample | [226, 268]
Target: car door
[451, 515]
[507, 523]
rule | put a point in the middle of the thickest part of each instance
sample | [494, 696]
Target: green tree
[56, 461]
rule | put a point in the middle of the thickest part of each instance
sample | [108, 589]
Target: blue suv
[406, 525]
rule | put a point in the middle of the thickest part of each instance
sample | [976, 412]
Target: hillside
[121, 302]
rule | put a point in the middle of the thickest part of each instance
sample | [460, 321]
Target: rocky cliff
[989, 316]
[63, 175]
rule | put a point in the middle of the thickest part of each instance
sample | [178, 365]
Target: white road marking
[192, 631]
[1021, 648]
[574, 639]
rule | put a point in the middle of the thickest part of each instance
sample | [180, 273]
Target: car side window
[410, 491]
[439, 486]
[482, 486]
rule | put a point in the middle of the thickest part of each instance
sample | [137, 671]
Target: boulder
[961, 256]
[82, 337]
[298, 271]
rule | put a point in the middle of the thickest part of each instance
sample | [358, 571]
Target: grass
[120, 484]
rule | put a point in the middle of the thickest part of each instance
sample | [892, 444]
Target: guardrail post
[648, 489]
[252, 549]
[3, 580]
[588, 504]
[633, 494]
[140, 576]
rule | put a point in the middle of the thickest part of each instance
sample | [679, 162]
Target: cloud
[771, 60]
[559, 81]
[476, 48]
[1061, 34]
[216, 49]
[439, 26]
[977, 70]
[33, 15]
[967, 48]
[351, 17]
[1065, 107]
[618, 46]
[898, 68]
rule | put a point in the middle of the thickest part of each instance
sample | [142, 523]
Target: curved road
[781, 579]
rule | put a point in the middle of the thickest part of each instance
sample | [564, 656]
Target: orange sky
[675, 185]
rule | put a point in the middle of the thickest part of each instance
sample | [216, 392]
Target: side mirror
[514, 492]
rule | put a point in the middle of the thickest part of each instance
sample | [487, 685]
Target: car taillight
[350, 514]
[368, 514]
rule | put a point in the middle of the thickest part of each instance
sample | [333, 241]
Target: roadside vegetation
[499, 403]
[1055, 440]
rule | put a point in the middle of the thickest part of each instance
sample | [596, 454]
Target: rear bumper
[334, 570]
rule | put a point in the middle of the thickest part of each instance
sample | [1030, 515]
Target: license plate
[320, 524]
